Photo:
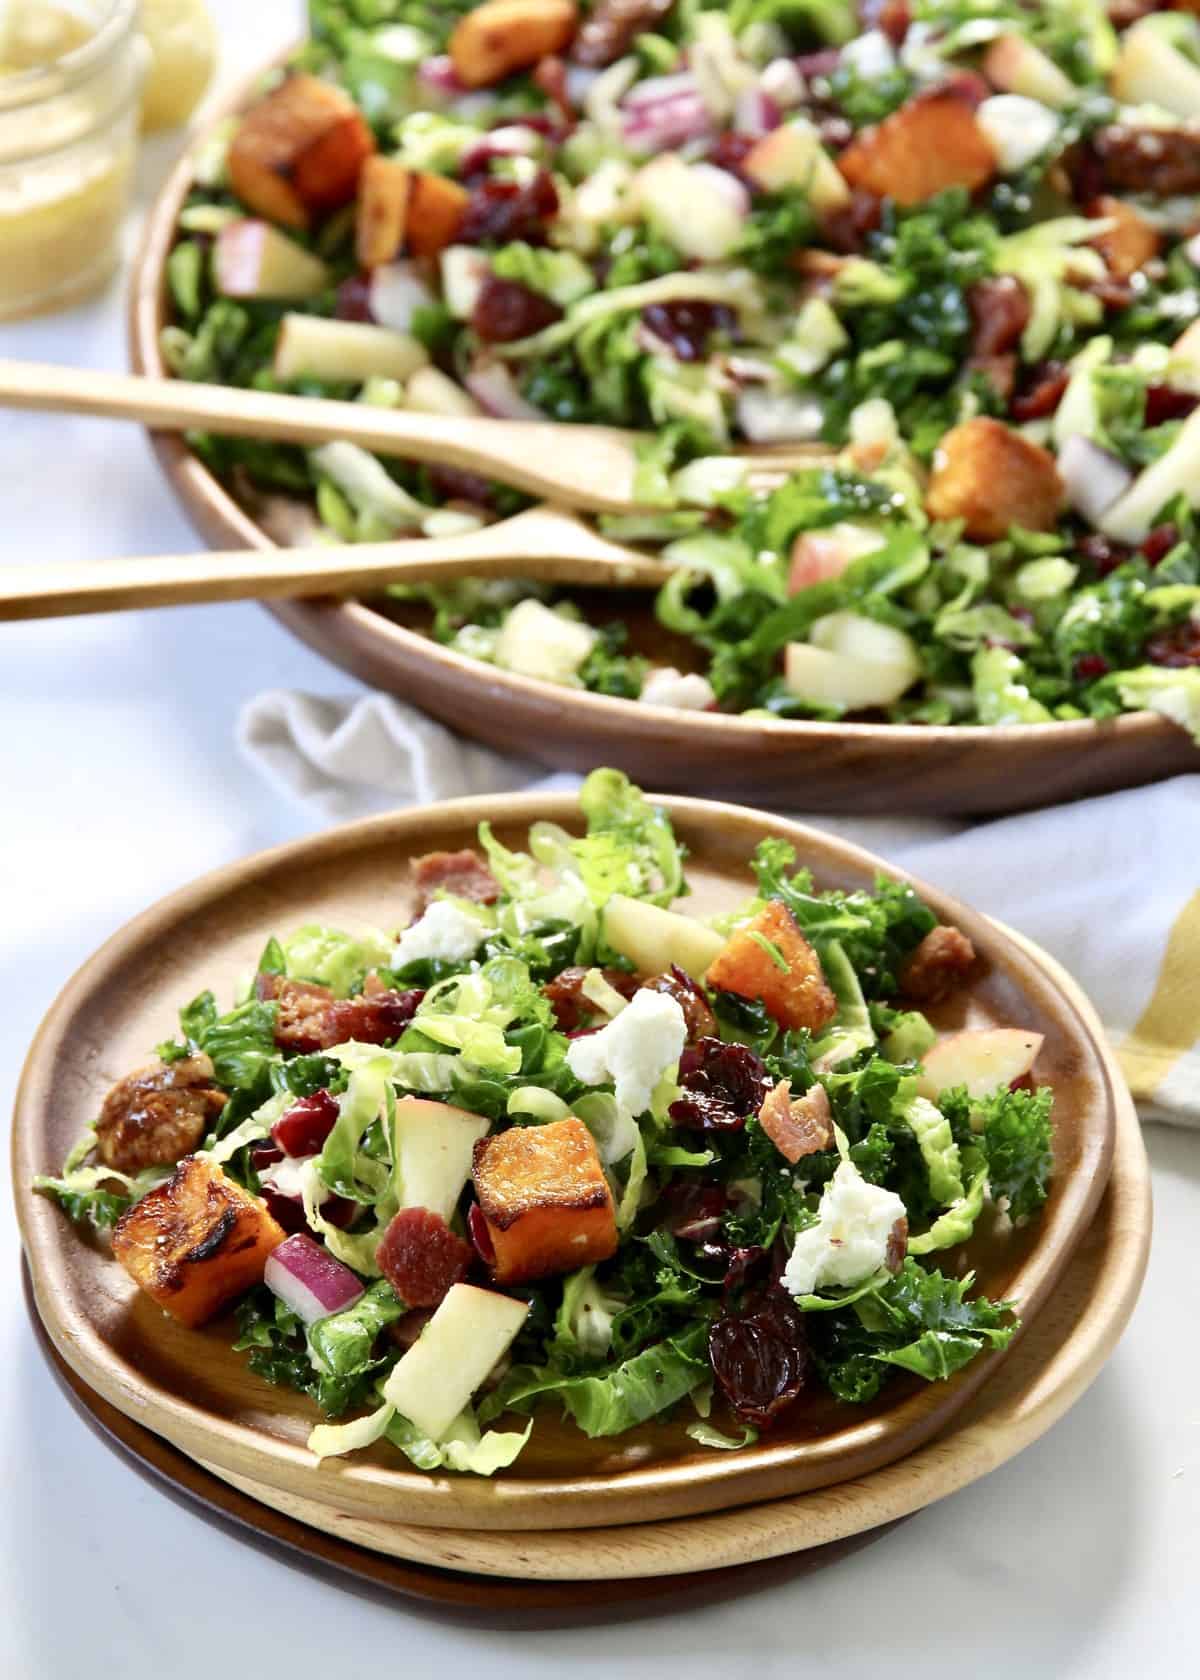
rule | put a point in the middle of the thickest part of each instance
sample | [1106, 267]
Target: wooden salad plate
[721, 1555]
[190, 1386]
[814, 766]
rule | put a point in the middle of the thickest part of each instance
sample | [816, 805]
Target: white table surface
[118, 781]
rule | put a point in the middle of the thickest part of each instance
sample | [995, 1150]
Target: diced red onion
[821, 63]
[755, 112]
[495, 390]
[657, 88]
[308, 1279]
[1092, 478]
[439, 75]
[664, 123]
[397, 292]
[580, 81]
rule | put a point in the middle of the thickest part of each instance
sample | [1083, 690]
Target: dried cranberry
[503, 211]
[453, 484]
[966, 85]
[999, 314]
[688, 327]
[1115, 295]
[1000, 372]
[1023, 615]
[505, 311]
[847, 230]
[723, 1085]
[895, 19]
[353, 301]
[265, 1155]
[1163, 404]
[760, 1358]
[286, 1211]
[302, 1130]
[729, 151]
[1104, 554]
[822, 63]
[550, 76]
[691, 1209]
[1040, 393]
[1159, 543]
[565, 995]
[748, 1269]
[1090, 666]
[836, 132]
[1177, 647]
[481, 1237]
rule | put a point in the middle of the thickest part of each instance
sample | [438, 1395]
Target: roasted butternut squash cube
[435, 209]
[383, 193]
[299, 152]
[1130, 243]
[769, 959]
[545, 1200]
[196, 1241]
[931, 143]
[501, 36]
[992, 478]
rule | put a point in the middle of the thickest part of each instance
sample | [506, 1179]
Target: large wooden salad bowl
[191, 1388]
[810, 766]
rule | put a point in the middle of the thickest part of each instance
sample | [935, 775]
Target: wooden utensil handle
[590, 467]
[537, 544]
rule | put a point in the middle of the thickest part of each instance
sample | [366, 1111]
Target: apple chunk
[434, 1146]
[252, 259]
[469, 1332]
[654, 938]
[985, 1060]
[793, 156]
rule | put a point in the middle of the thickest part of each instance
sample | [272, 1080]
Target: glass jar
[68, 141]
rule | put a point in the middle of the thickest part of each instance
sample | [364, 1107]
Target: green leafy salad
[558, 1146]
[953, 243]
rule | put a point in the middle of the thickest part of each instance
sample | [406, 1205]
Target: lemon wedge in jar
[183, 55]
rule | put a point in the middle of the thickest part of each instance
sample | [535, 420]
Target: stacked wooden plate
[650, 1505]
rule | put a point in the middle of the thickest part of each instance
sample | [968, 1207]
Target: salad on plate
[556, 1145]
[955, 243]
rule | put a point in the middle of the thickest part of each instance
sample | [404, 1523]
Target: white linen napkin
[1108, 886]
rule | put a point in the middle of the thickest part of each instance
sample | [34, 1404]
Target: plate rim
[515, 1502]
[214, 508]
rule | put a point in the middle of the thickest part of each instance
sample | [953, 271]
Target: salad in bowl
[953, 243]
[557, 1145]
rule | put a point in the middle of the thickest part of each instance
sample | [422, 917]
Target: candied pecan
[158, 1114]
[897, 1245]
[550, 76]
[1163, 404]
[573, 1011]
[1177, 647]
[611, 28]
[1164, 162]
[847, 230]
[300, 1012]
[937, 966]
[461, 874]
[999, 309]
[374, 1018]
[698, 1017]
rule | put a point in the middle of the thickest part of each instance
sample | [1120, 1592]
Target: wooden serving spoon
[545, 543]
[588, 467]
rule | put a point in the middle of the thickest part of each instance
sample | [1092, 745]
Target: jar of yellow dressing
[70, 80]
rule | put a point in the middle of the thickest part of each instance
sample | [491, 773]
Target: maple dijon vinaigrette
[70, 83]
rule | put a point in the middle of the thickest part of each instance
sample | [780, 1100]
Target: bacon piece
[461, 874]
[797, 1126]
[158, 1114]
[573, 1011]
[611, 26]
[1129, 245]
[421, 1257]
[310, 1017]
[698, 1017]
[938, 966]
[999, 314]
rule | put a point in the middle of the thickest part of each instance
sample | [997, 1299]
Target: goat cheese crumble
[850, 1238]
[445, 931]
[634, 1050]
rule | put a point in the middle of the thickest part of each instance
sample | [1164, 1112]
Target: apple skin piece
[819, 556]
[1015, 65]
[435, 1143]
[679, 200]
[984, 1060]
[252, 259]
[298, 153]
[793, 156]
[434, 1381]
[654, 938]
[1151, 70]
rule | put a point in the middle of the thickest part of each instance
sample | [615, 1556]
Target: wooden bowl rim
[513, 1501]
[354, 622]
